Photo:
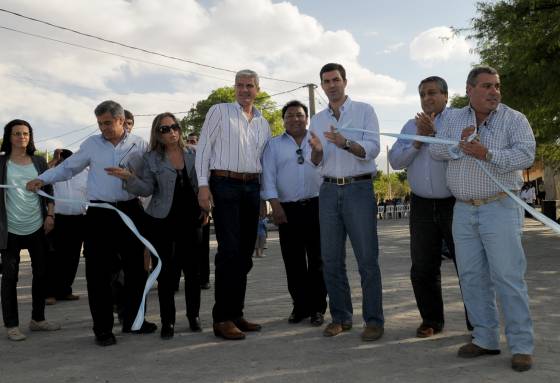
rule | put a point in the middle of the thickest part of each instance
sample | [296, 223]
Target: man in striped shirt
[228, 165]
[487, 224]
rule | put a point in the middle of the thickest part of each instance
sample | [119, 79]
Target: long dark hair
[155, 136]
[6, 140]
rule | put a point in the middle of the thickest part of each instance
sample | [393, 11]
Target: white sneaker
[43, 326]
[14, 334]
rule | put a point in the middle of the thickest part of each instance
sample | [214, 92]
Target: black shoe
[167, 331]
[105, 339]
[194, 324]
[296, 317]
[205, 286]
[317, 319]
[147, 328]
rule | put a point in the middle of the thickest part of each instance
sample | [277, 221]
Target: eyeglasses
[300, 159]
[167, 128]
[291, 116]
[20, 134]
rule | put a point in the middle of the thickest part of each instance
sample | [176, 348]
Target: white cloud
[56, 86]
[439, 44]
[393, 48]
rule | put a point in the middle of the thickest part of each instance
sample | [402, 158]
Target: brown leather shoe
[49, 301]
[372, 332]
[333, 329]
[426, 331]
[244, 325]
[521, 362]
[471, 350]
[228, 330]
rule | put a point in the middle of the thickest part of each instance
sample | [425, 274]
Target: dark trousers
[177, 246]
[300, 243]
[107, 237]
[204, 256]
[430, 224]
[62, 265]
[236, 215]
[35, 243]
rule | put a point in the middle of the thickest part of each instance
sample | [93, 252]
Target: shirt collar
[256, 112]
[343, 107]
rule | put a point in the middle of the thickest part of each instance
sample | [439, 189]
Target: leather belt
[484, 201]
[234, 175]
[347, 180]
[133, 201]
[301, 202]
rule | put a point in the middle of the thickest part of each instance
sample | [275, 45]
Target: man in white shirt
[228, 165]
[68, 234]
[346, 161]
[291, 185]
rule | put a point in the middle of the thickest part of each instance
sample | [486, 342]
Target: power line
[83, 138]
[110, 53]
[65, 134]
[136, 48]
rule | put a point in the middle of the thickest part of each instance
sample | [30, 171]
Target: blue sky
[387, 47]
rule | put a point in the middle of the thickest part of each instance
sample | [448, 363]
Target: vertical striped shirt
[229, 141]
[506, 132]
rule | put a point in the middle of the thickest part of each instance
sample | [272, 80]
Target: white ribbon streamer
[433, 140]
[128, 222]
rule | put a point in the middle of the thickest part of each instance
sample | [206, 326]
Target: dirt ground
[293, 353]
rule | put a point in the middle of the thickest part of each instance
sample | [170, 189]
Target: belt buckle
[340, 181]
[478, 202]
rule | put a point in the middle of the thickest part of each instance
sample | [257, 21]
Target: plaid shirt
[506, 132]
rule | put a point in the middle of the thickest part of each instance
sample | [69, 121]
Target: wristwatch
[489, 155]
[347, 144]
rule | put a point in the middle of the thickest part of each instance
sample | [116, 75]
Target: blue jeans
[491, 262]
[350, 209]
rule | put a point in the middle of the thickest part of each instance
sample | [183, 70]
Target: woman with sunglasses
[25, 218]
[168, 175]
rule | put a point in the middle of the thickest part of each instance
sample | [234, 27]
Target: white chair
[389, 211]
[380, 211]
[399, 211]
[407, 210]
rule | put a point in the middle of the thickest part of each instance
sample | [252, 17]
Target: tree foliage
[521, 39]
[192, 122]
[398, 182]
[458, 101]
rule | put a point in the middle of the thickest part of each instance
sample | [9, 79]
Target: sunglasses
[300, 159]
[167, 128]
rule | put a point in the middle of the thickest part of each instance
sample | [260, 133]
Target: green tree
[399, 185]
[521, 39]
[458, 101]
[194, 119]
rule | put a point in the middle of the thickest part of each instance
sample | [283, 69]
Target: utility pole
[388, 173]
[311, 88]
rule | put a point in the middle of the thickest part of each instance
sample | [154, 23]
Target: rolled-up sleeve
[208, 135]
[370, 141]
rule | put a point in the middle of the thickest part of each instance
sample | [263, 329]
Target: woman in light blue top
[24, 219]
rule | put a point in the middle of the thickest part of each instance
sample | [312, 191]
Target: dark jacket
[41, 165]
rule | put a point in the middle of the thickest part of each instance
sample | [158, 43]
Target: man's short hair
[330, 67]
[128, 115]
[442, 84]
[293, 103]
[248, 73]
[473, 74]
[110, 106]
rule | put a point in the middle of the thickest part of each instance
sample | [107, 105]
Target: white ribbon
[433, 140]
[128, 222]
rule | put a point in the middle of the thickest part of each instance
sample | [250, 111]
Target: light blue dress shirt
[98, 153]
[338, 162]
[283, 177]
[426, 175]
[506, 132]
